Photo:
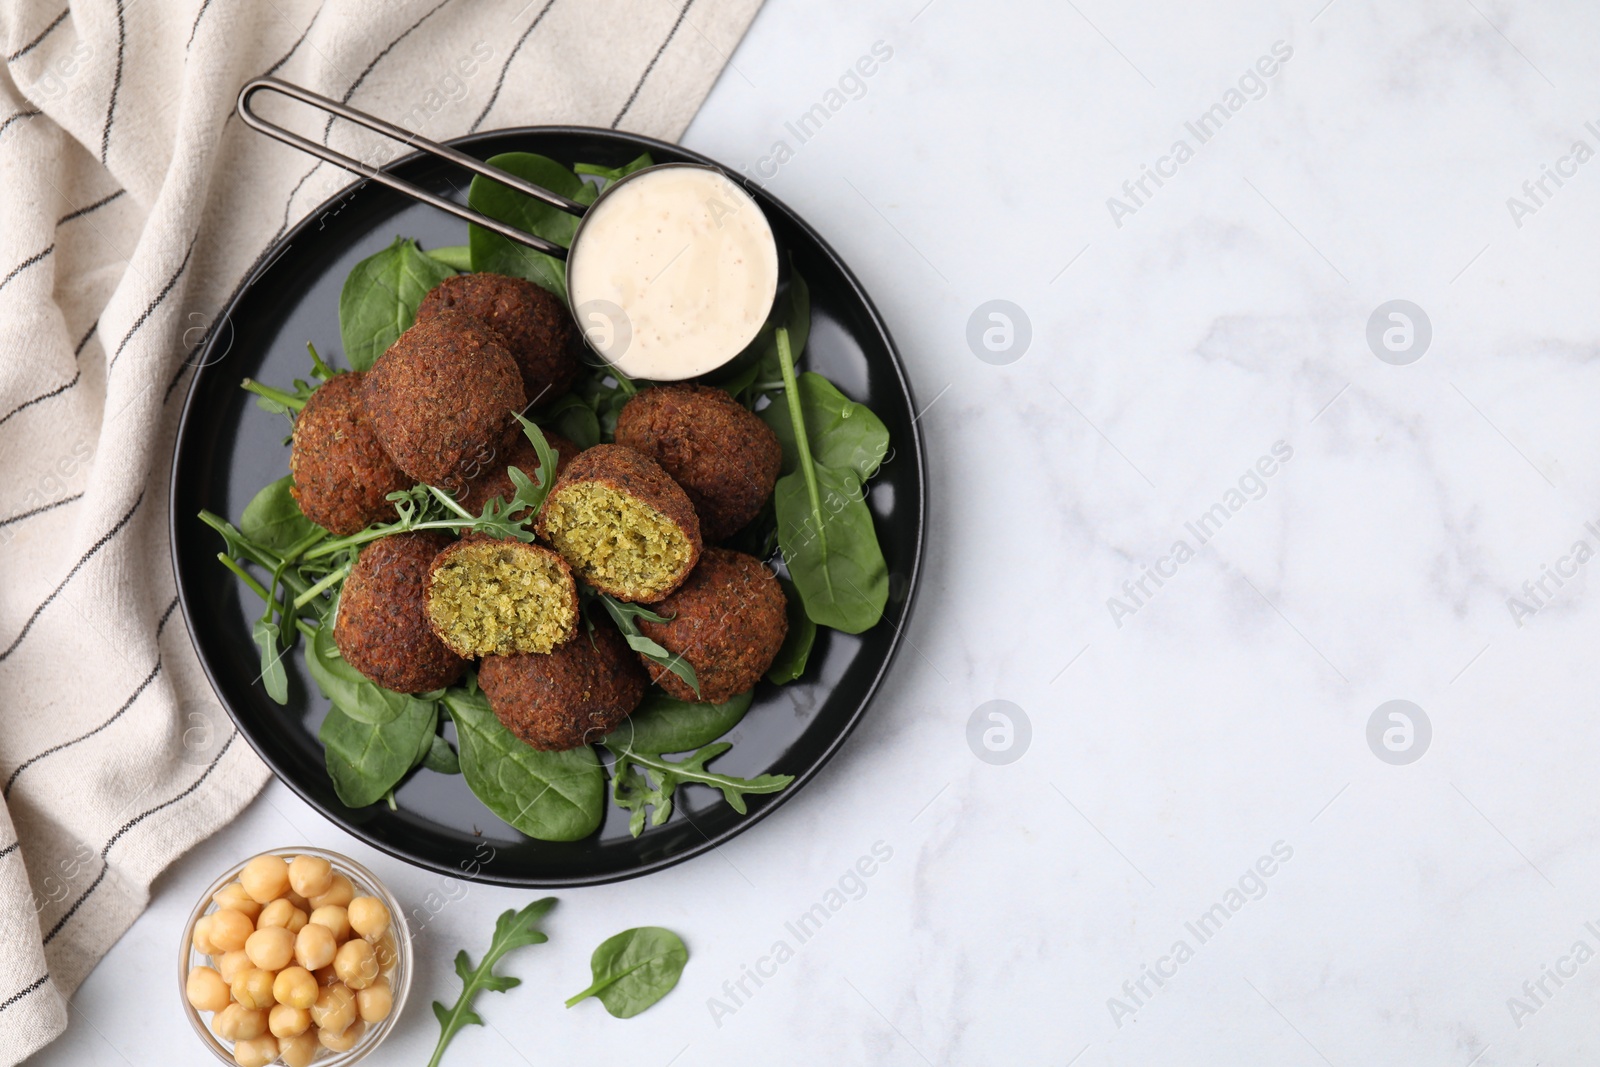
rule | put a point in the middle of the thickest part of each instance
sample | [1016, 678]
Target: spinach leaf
[611, 174]
[632, 771]
[553, 796]
[634, 969]
[825, 529]
[575, 420]
[790, 662]
[513, 929]
[841, 432]
[365, 760]
[379, 299]
[491, 252]
[441, 757]
[359, 697]
[664, 724]
[273, 520]
[456, 257]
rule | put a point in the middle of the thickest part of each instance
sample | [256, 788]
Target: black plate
[227, 449]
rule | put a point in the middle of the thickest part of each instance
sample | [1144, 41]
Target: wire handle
[384, 177]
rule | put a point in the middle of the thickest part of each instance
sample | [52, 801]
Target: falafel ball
[725, 457]
[341, 473]
[728, 620]
[495, 482]
[531, 321]
[623, 525]
[575, 695]
[487, 597]
[382, 629]
[442, 399]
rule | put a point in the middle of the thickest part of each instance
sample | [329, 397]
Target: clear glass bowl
[365, 884]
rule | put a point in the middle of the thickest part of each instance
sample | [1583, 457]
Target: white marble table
[1188, 734]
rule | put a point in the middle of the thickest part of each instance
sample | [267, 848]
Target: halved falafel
[622, 524]
[575, 695]
[487, 597]
[341, 473]
[382, 629]
[531, 322]
[442, 399]
[495, 482]
[723, 455]
[728, 621]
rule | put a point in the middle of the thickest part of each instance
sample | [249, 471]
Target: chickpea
[341, 892]
[295, 987]
[285, 1021]
[281, 913]
[298, 901]
[236, 1023]
[270, 949]
[300, 1050]
[343, 1041]
[335, 1009]
[202, 937]
[310, 876]
[356, 964]
[383, 948]
[332, 916]
[231, 963]
[325, 976]
[233, 896]
[229, 928]
[206, 990]
[265, 878]
[314, 946]
[255, 1051]
[375, 1002]
[368, 916]
[252, 988]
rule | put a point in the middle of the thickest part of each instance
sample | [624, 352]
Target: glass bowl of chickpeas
[297, 956]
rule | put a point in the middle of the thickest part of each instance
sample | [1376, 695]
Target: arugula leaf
[796, 318]
[491, 252]
[790, 662]
[632, 790]
[624, 615]
[634, 969]
[611, 174]
[273, 520]
[274, 676]
[512, 930]
[841, 432]
[825, 529]
[553, 796]
[366, 760]
[379, 300]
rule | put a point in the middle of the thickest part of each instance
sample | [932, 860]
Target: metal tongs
[384, 177]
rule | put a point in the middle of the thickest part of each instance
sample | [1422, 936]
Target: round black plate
[227, 449]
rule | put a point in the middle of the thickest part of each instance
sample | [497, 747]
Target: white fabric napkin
[132, 202]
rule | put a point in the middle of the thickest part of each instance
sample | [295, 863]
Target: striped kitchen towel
[134, 203]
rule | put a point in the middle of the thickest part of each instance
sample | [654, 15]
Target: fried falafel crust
[342, 476]
[723, 455]
[572, 696]
[382, 629]
[493, 481]
[728, 621]
[531, 322]
[442, 399]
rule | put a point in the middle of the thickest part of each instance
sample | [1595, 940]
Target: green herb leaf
[790, 663]
[625, 616]
[456, 257]
[842, 433]
[575, 419]
[664, 724]
[634, 969]
[358, 696]
[611, 174]
[796, 318]
[512, 930]
[379, 299]
[553, 796]
[365, 760]
[632, 788]
[273, 520]
[274, 677]
[491, 252]
[441, 757]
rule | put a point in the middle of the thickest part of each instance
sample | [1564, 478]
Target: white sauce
[673, 273]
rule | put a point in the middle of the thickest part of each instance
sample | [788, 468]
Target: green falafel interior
[498, 594]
